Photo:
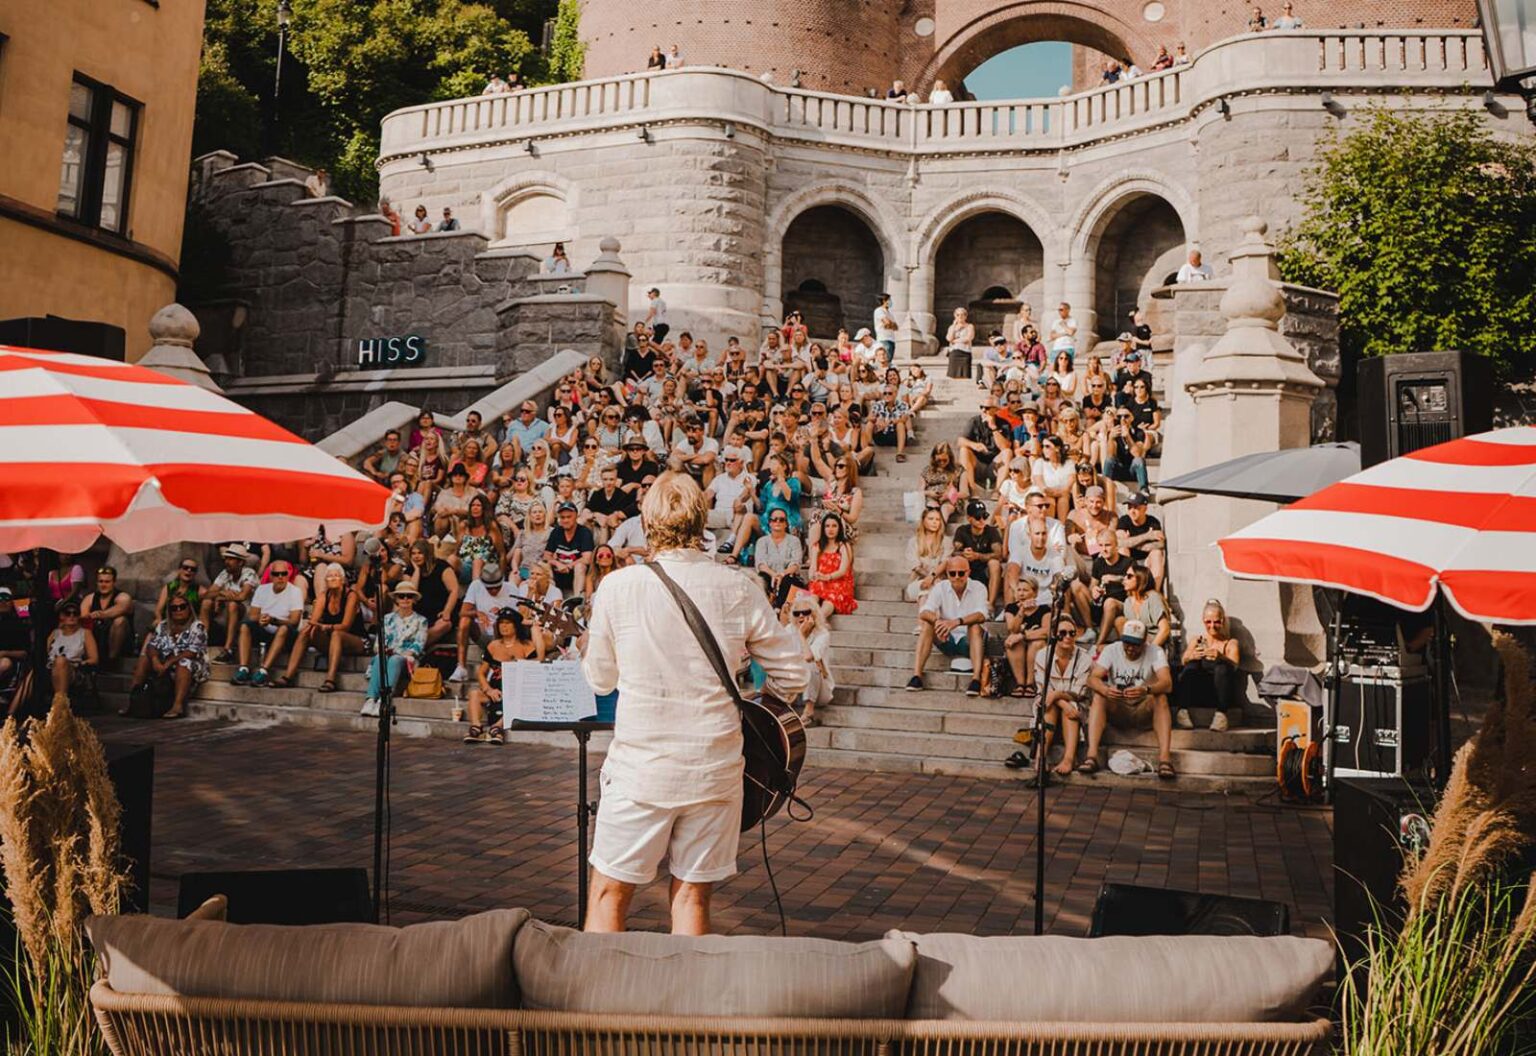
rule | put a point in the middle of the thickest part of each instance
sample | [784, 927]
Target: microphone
[372, 545]
[1062, 578]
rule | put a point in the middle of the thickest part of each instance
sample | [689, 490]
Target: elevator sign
[408, 351]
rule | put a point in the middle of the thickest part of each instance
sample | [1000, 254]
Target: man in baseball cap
[981, 544]
[1130, 683]
[483, 598]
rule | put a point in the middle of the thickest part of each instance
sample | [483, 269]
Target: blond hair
[673, 513]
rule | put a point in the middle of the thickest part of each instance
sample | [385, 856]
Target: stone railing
[1336, 60]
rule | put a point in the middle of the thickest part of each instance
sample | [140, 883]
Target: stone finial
[609, 247]
[174, 325]
[173, 329]
[1253, 297]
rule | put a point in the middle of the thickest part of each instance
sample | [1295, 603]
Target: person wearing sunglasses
[273, 618]
[805, 616]
[175, 652]
[952, 617]
[183, 583]
[1061, 687]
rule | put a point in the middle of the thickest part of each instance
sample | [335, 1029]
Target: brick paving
[476, 828]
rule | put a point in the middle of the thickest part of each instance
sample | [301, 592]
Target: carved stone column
[173, 330]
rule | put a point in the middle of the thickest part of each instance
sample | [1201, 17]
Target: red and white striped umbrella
[1459, 515]
[90, 447]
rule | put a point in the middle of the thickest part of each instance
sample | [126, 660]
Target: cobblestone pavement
[476, 828]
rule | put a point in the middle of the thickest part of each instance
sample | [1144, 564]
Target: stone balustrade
[1336, 60]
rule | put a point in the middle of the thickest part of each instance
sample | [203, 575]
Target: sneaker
[915, 684]
[370, 708]
[260, 677]
[973, 688]
[1182, 720]
[459, 674]
[242, 676]
[1219, 721]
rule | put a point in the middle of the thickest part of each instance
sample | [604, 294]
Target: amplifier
[1382, 727]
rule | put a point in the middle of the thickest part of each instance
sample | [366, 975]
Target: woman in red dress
[832, 558]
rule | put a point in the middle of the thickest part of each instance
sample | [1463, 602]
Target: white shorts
[720, 518]
[699, 841]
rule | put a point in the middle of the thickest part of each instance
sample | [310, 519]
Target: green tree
[1425, 224]
[567, 54]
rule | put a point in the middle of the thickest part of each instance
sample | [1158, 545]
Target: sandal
[327, 686]
[1017, 761]
[475, 735]
[1088, 767]
[1166, 772]
[174, 715]
[1018, 691]
[497, 735]
[281, 682]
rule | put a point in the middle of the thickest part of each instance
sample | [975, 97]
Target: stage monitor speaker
[283, 896]
[132, 770]
[1125, 909]
[1418, 399]
[1376, 822]
[55, 334]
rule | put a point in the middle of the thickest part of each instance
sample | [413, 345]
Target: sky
[1029, 71]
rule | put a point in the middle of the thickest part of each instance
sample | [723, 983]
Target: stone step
[926, 746]
[892, 763]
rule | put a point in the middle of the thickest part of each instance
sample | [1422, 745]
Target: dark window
[99, 141]
[996, 293]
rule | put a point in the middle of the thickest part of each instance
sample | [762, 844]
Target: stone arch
[885, 225]
[882, 224]
[943, 219]
[832, 269]
[1100, 205]
[1132, 230]
[522, 189]
[1089, 25]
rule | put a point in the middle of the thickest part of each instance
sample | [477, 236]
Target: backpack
[426, 683]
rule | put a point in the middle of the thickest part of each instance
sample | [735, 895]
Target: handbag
[426, 683]
[772, 735]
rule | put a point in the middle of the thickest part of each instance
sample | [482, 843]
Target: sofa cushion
[1117, 979]
[446, 964]
[713, 975]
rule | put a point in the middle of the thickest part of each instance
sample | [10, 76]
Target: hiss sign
[408, 351]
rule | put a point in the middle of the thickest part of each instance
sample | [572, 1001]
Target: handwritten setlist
[555, 692]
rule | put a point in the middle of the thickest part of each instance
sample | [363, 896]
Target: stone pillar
[1077, 290]
[919, 336]
[173, 330]
[1252, 392]
[608, 278]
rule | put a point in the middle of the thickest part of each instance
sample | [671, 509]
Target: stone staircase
[874, 723]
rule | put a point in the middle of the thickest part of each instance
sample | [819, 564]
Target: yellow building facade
[96, 107]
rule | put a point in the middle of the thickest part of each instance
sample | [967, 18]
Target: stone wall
[307, 279]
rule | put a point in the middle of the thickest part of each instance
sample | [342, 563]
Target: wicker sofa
[499, 983]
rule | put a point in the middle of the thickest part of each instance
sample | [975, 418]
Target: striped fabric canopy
[1461, 515]
[90, 447]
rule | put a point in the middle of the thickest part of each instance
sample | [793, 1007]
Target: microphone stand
[386, 719]
[1042, 746]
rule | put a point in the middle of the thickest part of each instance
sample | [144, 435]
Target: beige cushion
[1151, 979]
[714, 975]
[449, 964]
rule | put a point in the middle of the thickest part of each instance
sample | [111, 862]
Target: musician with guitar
[672, 782]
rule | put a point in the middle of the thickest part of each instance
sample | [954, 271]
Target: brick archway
[1034, 20]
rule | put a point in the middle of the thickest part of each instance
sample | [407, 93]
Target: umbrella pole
[1331, 690]
[1443, 654]
[381, 760]
[44, 619]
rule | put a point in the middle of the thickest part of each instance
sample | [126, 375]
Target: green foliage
[1425, 225]
[567, 54]
[347, 64]
[1455, 980]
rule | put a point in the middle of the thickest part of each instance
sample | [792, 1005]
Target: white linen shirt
[944, 603]
[677, 736]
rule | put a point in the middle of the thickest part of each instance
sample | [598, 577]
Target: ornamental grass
[59, 849]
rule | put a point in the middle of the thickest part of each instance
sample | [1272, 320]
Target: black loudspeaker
[1418, 399]
[55, 334]
[132, 770]
[1377, 821]
[1125, 909]
[283, 896]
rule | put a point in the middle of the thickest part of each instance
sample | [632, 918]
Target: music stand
[585, 808]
